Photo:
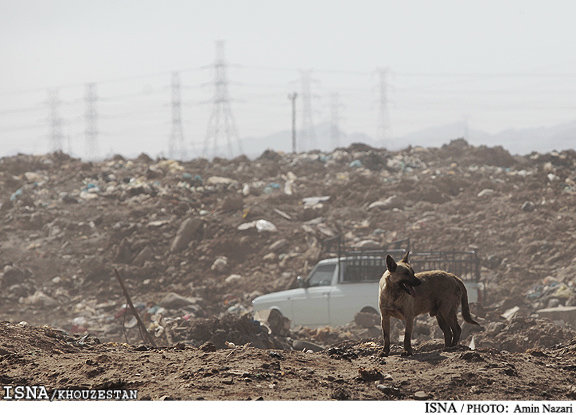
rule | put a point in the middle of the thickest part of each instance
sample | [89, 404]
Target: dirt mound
[352, 371]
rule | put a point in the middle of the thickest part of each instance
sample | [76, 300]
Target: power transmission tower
[384, 127]
[221, 125]
[56, 135]
[335, 120]
[176, 143]
[292, 97]
[91, 120]
[308, 141]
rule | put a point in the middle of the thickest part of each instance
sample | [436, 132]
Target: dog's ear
[390, 263]
[405, 259]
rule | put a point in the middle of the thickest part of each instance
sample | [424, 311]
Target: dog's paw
[384, 353]
[406, 353]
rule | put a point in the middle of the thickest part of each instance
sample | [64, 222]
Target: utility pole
[55, 121]
[221, 123]
[91, 119]
[309, 136]
[384, 129]
[176, 141]
[293, 97]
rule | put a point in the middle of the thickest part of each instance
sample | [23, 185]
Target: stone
[233, 278]
[279, 245]
[144, 255]
[174, 301]
[220, 264]
[123, 253]
[393, 202]
[232, 203]
[40, 299]
[486, 192]
[528, 206]
[190, 229]
[421, 396]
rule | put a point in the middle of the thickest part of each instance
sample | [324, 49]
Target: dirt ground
[197, 241]
[354, 371]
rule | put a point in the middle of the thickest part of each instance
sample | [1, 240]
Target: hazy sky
[497, 64]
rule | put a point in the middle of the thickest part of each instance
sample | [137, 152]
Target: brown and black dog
[404, 295]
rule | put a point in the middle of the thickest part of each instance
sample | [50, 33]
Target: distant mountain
[516, 141]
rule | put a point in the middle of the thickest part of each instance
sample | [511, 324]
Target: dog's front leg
[385, 321]
[409, 322]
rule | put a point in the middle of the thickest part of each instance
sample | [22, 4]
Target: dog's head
[402, 274]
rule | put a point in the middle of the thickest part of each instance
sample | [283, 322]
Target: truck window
[362, 273]
[322, 275]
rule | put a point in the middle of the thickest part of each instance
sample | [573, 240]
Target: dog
[405, 295]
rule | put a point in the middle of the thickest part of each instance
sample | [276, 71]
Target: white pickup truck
[338, 288]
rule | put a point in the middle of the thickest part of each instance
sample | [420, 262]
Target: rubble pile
[219, 233]
[522, 333]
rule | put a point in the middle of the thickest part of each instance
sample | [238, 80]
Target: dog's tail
[465, 306]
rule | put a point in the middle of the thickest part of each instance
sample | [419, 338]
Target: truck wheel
[369, 309]
[367, 317]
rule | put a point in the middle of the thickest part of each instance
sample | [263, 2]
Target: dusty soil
[353, 371]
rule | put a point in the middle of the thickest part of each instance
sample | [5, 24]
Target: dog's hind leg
[385, 322]
[445, 327]
[456, 330]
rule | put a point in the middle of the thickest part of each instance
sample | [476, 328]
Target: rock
[389, 390]
[341, 394]
[233, 278]
[144, 255]
[123, 253]
[370, 375]
[314, 201]
[40, 299]
[421, 396]
[368, 244]
[208, 347]
[278, 245]
[305, 345]
[486, 192]
[388, 204]
[174, 301]
[528, 206]
[216, 180]
[232, 203]
[190, 229]
[220, 264]
[11, 276]
[262, 225]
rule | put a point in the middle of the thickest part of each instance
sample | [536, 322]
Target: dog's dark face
[402, 274]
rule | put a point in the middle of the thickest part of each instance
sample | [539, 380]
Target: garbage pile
[219, 233]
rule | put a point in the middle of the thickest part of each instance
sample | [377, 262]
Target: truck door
[310, 305]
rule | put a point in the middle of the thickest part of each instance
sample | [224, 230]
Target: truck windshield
[322, 275]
